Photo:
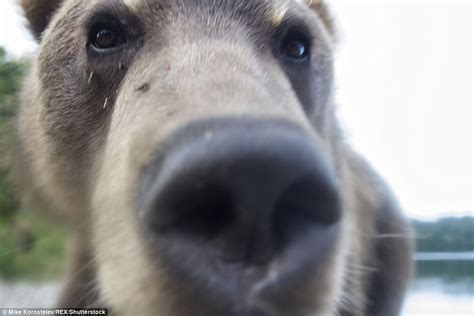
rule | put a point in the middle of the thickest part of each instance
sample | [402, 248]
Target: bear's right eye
[104, 38]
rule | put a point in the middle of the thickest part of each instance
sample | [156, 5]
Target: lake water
[444, 285]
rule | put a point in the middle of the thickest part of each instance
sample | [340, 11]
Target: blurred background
[404, 77]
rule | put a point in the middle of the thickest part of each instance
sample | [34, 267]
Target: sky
[404, 93]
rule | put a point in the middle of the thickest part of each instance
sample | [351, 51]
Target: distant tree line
[449, 234]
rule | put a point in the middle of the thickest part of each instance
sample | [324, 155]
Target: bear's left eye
[106, 38]
[295, 47]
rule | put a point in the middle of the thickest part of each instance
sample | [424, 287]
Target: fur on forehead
[40, 12]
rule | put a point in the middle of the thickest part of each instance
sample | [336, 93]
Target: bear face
[193, 150]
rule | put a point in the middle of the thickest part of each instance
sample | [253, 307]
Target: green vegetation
[10, 75]
[450, 234]
[29, 247]
[11, 72]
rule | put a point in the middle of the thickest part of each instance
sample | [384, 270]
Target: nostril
[312, 197]
[304, 204]
[201, 211]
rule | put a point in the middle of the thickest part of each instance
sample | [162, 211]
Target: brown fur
[88, 126]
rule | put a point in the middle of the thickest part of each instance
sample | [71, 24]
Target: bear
[193, 153]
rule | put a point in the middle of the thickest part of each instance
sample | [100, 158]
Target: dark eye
[105, 38]
[295, 47]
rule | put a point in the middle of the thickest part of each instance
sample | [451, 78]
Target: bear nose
[247, 188]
